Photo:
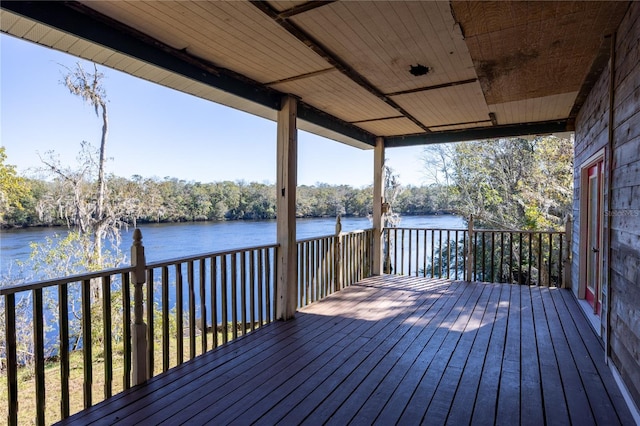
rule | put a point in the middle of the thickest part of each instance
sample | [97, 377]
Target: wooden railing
[330, 263]
[519, 257]
[177, 309]
[85, 306]
[203, 301]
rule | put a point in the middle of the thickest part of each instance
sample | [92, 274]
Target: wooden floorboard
[394, 350]
[531, 406]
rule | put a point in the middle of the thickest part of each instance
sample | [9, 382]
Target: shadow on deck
[395, 350]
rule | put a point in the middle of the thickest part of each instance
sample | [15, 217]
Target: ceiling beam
[333, 59]
[438, 86]
[504, 131]
[315, 116]
[304, 7]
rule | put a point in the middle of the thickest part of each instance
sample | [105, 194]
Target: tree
[506, 183]
[89, 88]
[13, 188]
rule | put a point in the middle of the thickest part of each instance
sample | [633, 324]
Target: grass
[26, 380]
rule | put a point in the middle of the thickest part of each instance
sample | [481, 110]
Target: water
[168, 241]
[172, 240]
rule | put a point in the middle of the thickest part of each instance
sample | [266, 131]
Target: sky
[159, 132]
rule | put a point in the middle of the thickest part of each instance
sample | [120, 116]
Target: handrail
[17, 288]
[167, 262]
[523, 231]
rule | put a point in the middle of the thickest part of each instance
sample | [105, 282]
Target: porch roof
[411, 72]
[395, 349]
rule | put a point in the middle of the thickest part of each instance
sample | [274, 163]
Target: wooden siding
[624, 211]
[395, 350]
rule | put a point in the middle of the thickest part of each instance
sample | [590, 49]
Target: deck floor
[395, 350]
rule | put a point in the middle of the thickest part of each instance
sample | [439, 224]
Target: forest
[507, 183]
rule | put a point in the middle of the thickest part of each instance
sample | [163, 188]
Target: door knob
[595, 250]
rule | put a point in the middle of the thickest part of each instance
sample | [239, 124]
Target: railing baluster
[307, 274]
[260, 284]
[214, 301]
[63, 350]
[12, 357]
[410, 247]
[550, 261]
[126, 330]
[465, 250]
[448, 254]
[243, 290]
[252, 288]
[455, 254]
[493, 256]
[314, 270]
[433, 249]
[402, 252]
[530, 258]
[108, 349]
[440, 264]
[395, 251]
[203, 305]
[179, 307]
[500, 273]
[223, 296]
[520, 274]
[540, 268]
[269, 281]
[86, 342]
[192, 309]
[387, 256]
[484, 258]
[475, 256]
[38, 337]
[510, 258]
[165, 318]
[234, 297]
[150, 324]
[561, 261]
[417, 251]
[424, 252]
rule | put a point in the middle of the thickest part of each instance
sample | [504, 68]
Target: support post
[337, 262]
[287, 166]
[470, 259]
[566, 253]
[140, 369]
[378, 213]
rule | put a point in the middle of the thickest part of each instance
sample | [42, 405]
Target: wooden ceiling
[412, 72]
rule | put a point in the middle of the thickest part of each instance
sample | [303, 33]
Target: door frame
[584, 206]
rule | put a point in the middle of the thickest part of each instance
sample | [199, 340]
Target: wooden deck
[395, 350]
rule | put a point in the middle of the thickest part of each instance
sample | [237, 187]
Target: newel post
[138, 328]
[470, 260]
[566, 252]
[337, 257]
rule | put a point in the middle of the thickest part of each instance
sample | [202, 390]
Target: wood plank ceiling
[412, 72]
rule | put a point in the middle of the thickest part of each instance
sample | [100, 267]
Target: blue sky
[159, 132]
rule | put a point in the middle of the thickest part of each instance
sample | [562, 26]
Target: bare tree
[89, 88]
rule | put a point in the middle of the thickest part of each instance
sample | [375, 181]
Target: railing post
[338, 256]
[470, 260]
[140, 370]
[566, 253]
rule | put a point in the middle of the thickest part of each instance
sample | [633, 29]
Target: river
[171, 240]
